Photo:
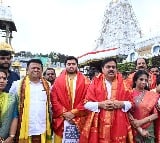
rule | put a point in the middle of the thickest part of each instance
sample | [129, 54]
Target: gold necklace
[140, 96]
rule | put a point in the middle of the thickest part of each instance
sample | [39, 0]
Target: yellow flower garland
[24, 95]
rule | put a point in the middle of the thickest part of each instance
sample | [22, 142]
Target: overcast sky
[69, 26]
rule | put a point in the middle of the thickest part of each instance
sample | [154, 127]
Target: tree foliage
[55, 57]
[126, 67]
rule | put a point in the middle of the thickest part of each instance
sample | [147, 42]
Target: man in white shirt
[33, 94]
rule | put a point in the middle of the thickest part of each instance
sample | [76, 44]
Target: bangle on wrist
[12, 136]
[140, 130]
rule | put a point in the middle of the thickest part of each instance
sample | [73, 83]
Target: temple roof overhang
[97, 55]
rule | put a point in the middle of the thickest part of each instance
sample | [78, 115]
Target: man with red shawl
[157, 129]
[141, 64]
[67, 98]
[157, 125]
[109, 101]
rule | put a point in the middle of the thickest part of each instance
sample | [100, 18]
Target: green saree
[8, 111]
[151, 139]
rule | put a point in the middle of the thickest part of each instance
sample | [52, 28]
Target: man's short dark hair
[5, 53]
[71, 58]
[106, 60]
[38, 61]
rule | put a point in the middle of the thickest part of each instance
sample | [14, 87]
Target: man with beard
[141, 64]
[50, 75]
[5, 63]
[67, 97]
[109, 101]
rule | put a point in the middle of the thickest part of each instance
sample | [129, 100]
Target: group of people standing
[73, 109]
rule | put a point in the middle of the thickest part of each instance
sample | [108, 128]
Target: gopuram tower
[120, 27]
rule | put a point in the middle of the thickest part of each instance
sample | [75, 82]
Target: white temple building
[121, 36]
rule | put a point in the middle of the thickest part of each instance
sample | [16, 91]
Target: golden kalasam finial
[6, 47]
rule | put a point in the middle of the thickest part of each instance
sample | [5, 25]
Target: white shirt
[93, 106]
[37, 111]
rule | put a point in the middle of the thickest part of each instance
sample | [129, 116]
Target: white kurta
[93, 106]
[37, 110]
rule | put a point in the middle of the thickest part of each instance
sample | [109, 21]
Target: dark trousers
[36, 138]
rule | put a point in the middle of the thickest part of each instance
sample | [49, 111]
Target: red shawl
[152, 84]
[147, 107]
[157, 126]
[129, 80]
[157, 129]
[107, 126]
[61, 101]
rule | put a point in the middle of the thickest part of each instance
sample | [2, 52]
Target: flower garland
[22, 98]
[21, 105]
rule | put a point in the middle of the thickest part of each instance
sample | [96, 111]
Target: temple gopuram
[120, 37]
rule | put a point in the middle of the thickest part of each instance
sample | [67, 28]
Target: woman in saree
[157, 129]
[157, 124]
[8, 112]
[144, 113]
